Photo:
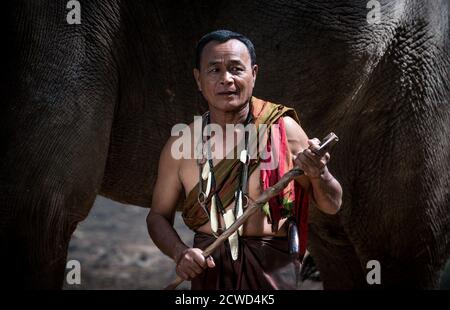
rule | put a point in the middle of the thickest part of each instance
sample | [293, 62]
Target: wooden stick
[253, 206]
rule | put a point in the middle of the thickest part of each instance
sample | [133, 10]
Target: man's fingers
[192, 272]
[200, 259]
[188, 267]
[182, 274]
[304, 162]
[309, 154]
[314, 143]
[197, 256]
[196, 267]
[210, 262]
[325, 159]
[299, 161]
[186, 272]
[205, 262]
[312, 160]
[320, 162]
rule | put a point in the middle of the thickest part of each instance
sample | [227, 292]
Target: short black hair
[223, 36]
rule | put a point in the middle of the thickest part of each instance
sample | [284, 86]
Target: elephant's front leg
[50, 178]
[56, 120]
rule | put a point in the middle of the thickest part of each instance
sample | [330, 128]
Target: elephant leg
[43, 203]
[50, 177]
[406, 271]
[337, 261]
[34, 260]
[344, 264]
[45, 196]
[57, 115]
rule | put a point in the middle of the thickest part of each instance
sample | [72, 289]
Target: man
[225, 73]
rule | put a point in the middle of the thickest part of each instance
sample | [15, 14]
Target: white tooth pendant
[243, 157]
[228, 218]
[208, 184]
[205, 171]
[239, 212]
[213, 215]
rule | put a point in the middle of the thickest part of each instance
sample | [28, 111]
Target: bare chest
[189, 176]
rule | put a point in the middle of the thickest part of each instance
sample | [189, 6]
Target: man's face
[226, 77]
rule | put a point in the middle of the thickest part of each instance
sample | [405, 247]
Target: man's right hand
[192, 262]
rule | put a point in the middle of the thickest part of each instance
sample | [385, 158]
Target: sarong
[264, 263]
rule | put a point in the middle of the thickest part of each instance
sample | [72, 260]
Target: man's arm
[166, 192]
[190, 261]
[326, 190]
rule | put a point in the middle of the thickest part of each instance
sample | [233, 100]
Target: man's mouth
[227, 93]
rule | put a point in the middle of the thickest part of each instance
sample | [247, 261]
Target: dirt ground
[116, 252]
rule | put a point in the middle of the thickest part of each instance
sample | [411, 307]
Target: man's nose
[227, 78]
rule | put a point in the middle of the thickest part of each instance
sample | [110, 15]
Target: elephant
[87, 107]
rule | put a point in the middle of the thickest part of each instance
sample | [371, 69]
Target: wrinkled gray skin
[86, 109]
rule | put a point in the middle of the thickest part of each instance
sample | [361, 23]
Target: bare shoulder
[181, 143]
[296, 136]
[167, 152]
[168, 185]
[169, 162]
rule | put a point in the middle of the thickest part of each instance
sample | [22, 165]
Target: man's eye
[214, 70]
[237, 69]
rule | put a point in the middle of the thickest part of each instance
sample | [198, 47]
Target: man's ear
[254, 72]
[197, 79]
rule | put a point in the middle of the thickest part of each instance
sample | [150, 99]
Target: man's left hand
[313, 165]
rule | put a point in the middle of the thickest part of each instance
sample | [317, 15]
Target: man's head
[225, 69]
